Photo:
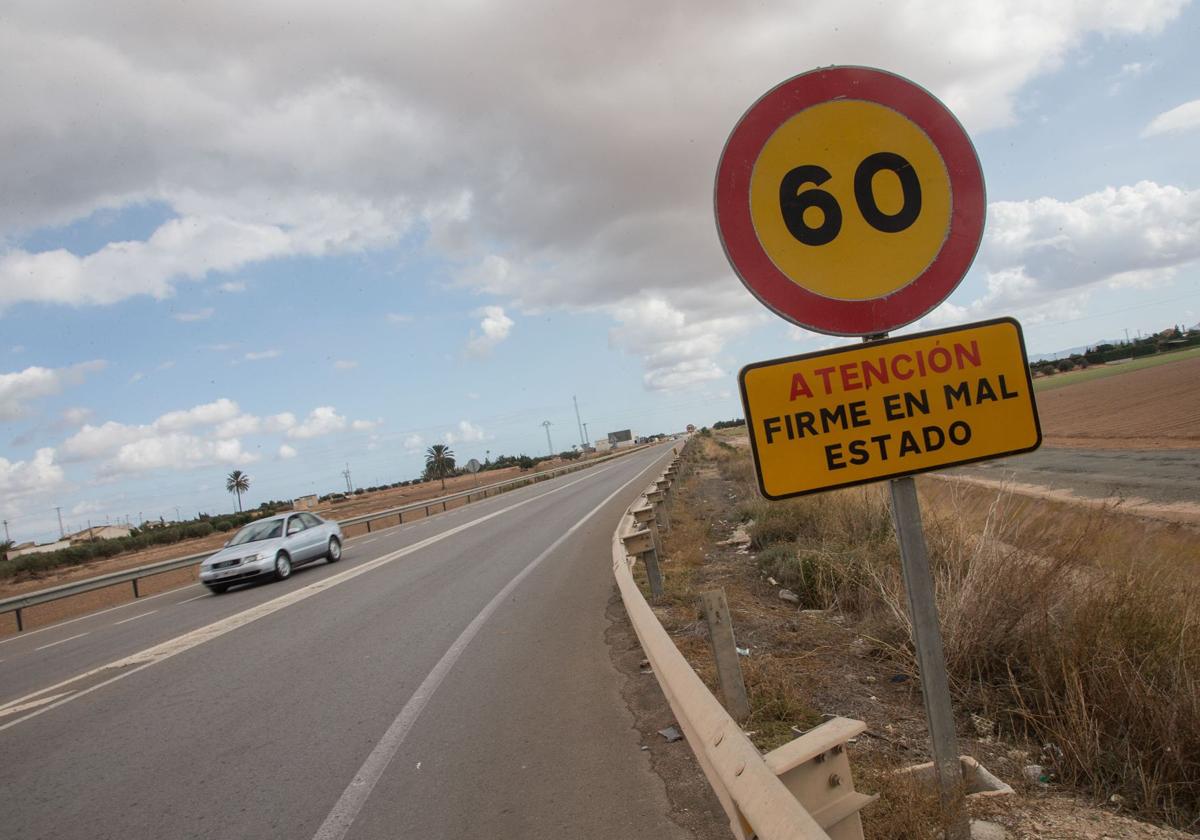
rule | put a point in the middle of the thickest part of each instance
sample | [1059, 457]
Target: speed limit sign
[850, 201]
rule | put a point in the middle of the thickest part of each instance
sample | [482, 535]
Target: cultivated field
[1154, 407]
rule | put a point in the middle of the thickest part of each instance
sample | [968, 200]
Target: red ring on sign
[968, 203]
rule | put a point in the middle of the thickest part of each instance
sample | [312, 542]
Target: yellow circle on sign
[860, 261]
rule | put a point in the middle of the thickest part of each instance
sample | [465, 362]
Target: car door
[299, 540]
[319, 532]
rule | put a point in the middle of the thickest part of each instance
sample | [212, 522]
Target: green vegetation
[1101, 371]
[439, 462]
[238, 482]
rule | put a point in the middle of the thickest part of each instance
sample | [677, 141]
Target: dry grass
[1076, 632]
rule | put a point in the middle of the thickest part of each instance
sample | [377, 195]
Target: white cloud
[239, 426]
[678, 351]
[281, 157]
[86, 507]
[167, 365]
[76, 416]
[176, 450]
[322, 420]
[19, 389]
[19, 479]
[345, 364]
[258, 356]
[217, 348]
[1036, 253]
[413, 442]
[493, 329]
[365, 425]
[280, 422]
[208, 414]
[286, 452]
[92, 442]
[232, 287]
[399, 318]
[465, 432]
[198, 315]
[1185, 117]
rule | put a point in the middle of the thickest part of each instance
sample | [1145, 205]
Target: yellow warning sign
[889, 408]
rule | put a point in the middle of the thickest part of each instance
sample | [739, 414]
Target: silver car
[272, 547]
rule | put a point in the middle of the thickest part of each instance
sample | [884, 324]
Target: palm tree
[439, 460]
[238, 482]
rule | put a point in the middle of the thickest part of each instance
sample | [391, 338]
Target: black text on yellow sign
[889, 408]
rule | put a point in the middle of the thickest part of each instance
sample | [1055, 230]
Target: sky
[288, 237]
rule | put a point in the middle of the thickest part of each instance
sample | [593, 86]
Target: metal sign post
[931, 659]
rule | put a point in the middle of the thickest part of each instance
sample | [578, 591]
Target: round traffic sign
[849, 200]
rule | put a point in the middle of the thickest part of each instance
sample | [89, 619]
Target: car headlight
[262, 555]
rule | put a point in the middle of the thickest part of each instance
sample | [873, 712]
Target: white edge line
[63, 641]
[28, 633]
[344, 811]
[134, 618]
[165, 650]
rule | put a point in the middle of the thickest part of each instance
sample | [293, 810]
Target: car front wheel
[335, 550]
[217, 588]
[283, 567]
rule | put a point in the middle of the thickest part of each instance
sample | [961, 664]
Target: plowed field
[1154, 408]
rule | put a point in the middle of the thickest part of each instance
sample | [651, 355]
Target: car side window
[295, 525]
[309, 520]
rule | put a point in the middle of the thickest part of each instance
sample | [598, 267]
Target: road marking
[32, 705]
[26, 634]
[197, 598]
[338, 823]
[158, 653]
[62, 642]
[134, 617]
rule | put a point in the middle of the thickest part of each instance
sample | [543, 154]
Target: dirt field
[1151, 408]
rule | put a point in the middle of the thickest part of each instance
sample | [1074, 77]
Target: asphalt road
[447, 679]
[1165, 476]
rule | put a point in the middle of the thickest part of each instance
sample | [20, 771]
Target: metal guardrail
[802, 790]
[18, 603]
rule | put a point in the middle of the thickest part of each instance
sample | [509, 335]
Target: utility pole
[586, 440]
[1127, 335]
[549, 444]
[582, 436]
[349, 483]
[178, 515]
[61, 531]
[7, 538]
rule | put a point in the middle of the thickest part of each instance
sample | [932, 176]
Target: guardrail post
[443, 507]
[136, 594]
[368, 526]
[653, 573]
[729, 670]
[20, 623]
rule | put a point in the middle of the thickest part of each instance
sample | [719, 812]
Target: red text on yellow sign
[889, 408]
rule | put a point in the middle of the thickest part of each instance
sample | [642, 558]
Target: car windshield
[256, 531]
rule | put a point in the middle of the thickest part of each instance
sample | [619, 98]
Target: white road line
[134, 617]
[32, 705]
[161, 652]
[338, 823]
[62, 642]
[197, 598]
[138, 602]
